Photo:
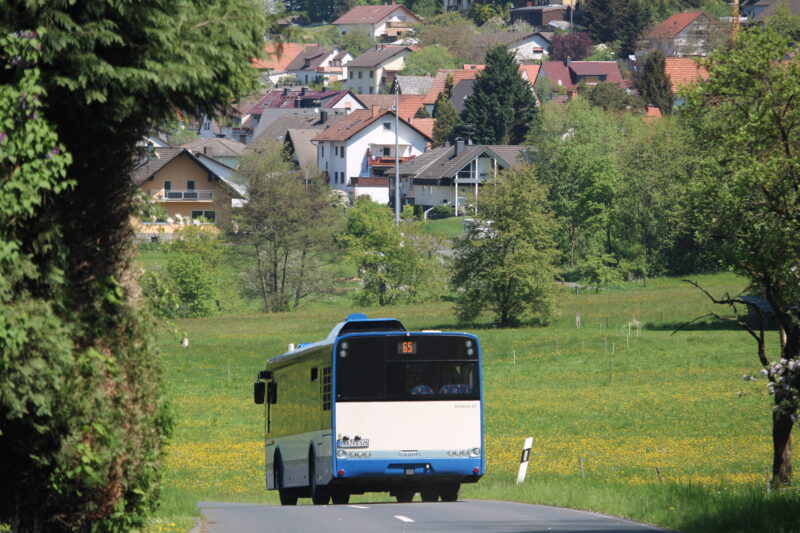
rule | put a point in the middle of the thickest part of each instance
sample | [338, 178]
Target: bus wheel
[429, 495]
[404, 496]
[450, 492]
[340, 497]
[286, 496]
[319, 495]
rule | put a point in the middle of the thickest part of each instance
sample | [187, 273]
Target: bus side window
[326, 388]
[314, 374]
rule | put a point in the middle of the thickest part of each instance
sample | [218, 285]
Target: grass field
[666, 428]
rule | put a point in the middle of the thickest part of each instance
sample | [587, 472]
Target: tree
[746, 118]
[450, 30]
[288, 225]
[356, 42]
[784, 22]
[422, 112]
[653, 83]
[447, 122]
[575, 46]
[397, 264]
[428, 61]
[501, 108]
[82, 414]
[505, 261]
[612, 97]
[620, 21]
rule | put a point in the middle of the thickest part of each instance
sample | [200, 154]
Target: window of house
[387, 125]
[371, 90]
[360, 90]
[341, 152]
[371, 74]
[190, 185]
[386, 151]
[360, 74]
[322, 150]
[207, 216]
[167, 185]
[335, 150]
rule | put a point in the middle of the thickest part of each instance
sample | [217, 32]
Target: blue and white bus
[374, 408]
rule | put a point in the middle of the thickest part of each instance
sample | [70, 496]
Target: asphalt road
[461, 516]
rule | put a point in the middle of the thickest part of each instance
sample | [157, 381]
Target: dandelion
[185, 342]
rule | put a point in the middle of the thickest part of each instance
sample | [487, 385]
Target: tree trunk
[782, 448]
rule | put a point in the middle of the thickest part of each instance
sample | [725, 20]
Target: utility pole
[396, 153]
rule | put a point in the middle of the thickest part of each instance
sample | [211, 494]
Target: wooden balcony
[387, 161]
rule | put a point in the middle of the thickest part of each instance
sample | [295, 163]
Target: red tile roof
[568, 75]
[371, 14]
[437, 85]
[652, 113]
[531, 71]
[425, 125]
[277, 99]
[671, 27]
[409, 103]
[278, 55]
[356, 121]
[683, 71]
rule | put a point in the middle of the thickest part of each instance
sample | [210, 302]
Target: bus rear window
[437, 368]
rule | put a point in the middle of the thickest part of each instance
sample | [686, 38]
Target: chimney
[376, 110]
[568, 62]
[303, 91]
[323, 117]
[459, 146]
[285, 91]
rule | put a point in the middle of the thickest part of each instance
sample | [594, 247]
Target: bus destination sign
[407, 347]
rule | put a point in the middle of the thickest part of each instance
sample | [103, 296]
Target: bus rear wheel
[319, 495]
[429, 495]
[450, 491]
[340, 497]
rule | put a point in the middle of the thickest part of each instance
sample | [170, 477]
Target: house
[319, 64]
[683, 71]
[569, 74]
[439, 81]
[542, 16]
[355, 151]
[254, 114]
[757, 11]
[376, 68]
[296, 131]
[411, 84]
[528, 47]
[191, 189]
[433, 178]
[277, 56]
[691, 33]
[408, 104]
[226, 151]
[386, 22]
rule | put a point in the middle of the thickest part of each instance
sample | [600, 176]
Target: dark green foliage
[505, 262]
[447, 121]
[82, 417]
[653, 84]
[619, 21]
[422, 112]
[611, 97]
[501, 109]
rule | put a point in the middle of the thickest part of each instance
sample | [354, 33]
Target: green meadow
[628, 416]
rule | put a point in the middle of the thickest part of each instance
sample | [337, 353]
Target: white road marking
[358, 506]
[403, 518]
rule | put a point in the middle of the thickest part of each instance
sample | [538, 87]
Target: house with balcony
[319, 64]
[387, 23]
[376, 68]
[356, 151]
[452, 175]
[569, 74]
[192, 189]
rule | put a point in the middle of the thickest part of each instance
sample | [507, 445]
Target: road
[461, 516]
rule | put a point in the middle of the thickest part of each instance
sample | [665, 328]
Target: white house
[317, 63]
[356, 150]
[690, 33]
[387, 22]
[375, 68]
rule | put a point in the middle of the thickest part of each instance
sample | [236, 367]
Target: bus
[373, 408]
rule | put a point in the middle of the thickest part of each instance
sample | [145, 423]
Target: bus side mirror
[259, 389]
[272, 392]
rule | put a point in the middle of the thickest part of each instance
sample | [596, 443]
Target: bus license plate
[353, 443]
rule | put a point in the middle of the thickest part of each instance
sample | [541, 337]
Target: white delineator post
[523, 462]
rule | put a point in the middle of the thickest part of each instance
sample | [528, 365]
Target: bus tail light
[476, 470]
[340, 472]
